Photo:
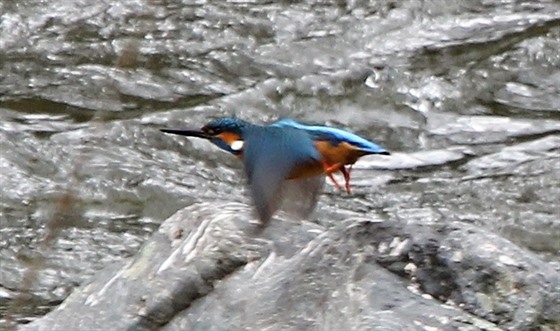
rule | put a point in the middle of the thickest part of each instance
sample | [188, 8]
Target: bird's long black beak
[189, 133]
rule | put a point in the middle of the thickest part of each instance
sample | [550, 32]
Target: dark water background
[466, 95]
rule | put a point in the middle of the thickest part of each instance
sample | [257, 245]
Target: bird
[282, 151]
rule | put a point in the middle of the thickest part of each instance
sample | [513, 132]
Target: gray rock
[215, 270]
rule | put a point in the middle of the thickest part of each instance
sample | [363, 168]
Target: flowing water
[465, 94]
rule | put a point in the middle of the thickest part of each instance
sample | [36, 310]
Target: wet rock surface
[465, 210]
[205, 270]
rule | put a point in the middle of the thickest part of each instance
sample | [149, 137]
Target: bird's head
[226, 133]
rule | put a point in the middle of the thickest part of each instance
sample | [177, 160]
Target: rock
[483, 273]
[209, 268]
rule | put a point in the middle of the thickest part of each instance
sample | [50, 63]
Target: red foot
[329, 169]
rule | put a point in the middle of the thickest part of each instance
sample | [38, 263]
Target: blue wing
[333, 135]
[270, 154]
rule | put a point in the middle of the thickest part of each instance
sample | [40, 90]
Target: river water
[465, 94]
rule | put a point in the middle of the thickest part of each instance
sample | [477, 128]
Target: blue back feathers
[334, 135]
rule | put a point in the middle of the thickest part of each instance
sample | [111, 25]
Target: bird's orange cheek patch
[228, 137]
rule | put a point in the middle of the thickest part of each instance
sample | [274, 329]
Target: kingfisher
[284, 150]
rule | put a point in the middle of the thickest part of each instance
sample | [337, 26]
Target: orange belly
[342, 154]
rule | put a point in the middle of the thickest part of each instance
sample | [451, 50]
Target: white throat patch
[237, 145]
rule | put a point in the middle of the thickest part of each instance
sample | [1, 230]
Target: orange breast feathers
[341, 154]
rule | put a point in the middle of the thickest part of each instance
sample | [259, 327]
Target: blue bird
[284, 150]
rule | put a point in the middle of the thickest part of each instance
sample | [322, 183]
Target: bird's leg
[346, 173]
[329, 169]
[334, 181]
